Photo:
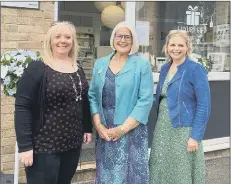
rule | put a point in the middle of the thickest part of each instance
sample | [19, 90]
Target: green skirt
[170, 162]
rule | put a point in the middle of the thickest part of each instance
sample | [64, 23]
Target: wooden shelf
[83, 58]
[87, 67]
[84, 47]
[83, 37]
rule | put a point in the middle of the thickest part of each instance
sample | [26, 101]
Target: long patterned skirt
[124, 161]
[170, 162]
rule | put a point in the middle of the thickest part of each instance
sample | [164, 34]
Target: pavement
[217, 172]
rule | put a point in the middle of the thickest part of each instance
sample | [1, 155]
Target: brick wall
[25, 28]
[20, 29]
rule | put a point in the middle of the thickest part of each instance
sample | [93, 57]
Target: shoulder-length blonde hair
[135, 44]
[183, 34]
[48, 54]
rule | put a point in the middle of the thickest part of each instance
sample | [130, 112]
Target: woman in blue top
[121, 97]
[183, 109]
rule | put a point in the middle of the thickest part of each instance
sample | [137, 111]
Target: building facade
[24, 27]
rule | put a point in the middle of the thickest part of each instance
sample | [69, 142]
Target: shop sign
[200, 29]
[193, 21]
[193, 25]
[25, 4]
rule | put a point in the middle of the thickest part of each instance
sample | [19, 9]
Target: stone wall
[20, 29]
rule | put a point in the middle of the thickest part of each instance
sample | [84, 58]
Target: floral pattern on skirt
[170, 162]
[124, 161]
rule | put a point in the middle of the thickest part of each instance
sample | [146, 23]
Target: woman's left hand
[192, 145]
[87, 138]
[116, 133]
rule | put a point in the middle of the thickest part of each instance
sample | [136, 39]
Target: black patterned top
[63, 119]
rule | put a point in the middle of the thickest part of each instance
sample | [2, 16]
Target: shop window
[93, 36]
[207, 22]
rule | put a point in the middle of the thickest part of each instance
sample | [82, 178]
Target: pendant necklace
[77, 97]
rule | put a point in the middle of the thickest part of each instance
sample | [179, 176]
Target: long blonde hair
[48, 54]
[183, 34]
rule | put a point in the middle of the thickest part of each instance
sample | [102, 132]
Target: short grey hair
[135, 43]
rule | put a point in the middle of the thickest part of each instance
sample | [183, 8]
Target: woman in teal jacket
[121, 97]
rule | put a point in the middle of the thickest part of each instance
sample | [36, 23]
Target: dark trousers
[53, 168]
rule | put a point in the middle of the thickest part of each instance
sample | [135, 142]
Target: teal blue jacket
[134, 89]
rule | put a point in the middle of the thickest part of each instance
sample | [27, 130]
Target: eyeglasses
[120, 36]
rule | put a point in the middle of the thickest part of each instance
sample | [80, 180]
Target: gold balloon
[112, 15]
[100, 5]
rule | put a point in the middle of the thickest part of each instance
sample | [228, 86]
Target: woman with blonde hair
[121, 97]
[52, 112]
[183, 109]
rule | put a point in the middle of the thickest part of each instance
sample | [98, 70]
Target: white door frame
[130, 13]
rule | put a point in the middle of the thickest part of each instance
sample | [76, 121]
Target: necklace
[77, 97]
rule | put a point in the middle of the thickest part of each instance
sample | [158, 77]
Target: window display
[206, 21]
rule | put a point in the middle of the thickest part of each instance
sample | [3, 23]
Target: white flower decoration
[6, 80]
[19, 71]
[11, 92]
[13, 64]
[13, 53]
[8, 57]
[11, 68]
[21, 58]
[4, 71]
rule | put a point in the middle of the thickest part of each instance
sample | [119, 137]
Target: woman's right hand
[103, 132]
[100, 128]
[26, 158]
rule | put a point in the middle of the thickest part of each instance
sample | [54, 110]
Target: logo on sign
[192, 16]
[193, 21]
